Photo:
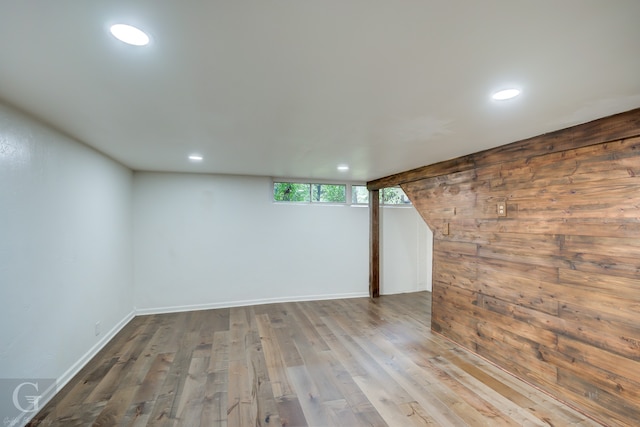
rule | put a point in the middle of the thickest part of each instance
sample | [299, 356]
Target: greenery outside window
[314, 193]
[291, 192]
[393, 196]
[303, 192]
[388, 196]
[359, 195]
[329, 193]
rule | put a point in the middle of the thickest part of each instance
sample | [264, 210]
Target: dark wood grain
[551, 292]
[374, 243]
[356, 362]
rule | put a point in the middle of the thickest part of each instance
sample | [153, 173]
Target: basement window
[392, 196]
[329, 193]
[309, 192]
[359, 195]
[291, 192]
[305, 192]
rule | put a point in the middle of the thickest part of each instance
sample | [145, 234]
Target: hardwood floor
[354, 362]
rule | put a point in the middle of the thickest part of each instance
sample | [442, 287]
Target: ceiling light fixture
[506, 94]
[343, 168]
[129, 34]
[196, 158]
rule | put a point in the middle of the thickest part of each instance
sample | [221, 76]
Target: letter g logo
[33, 400]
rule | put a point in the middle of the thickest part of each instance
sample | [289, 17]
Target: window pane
[359, 194]
[329, 193]
[290, 192]
[393, 196]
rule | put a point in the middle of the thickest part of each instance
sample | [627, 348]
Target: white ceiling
[292, 88]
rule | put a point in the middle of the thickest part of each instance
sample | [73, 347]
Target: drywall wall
[551, 290]
[405, 251]
[67, 259]
[65, 249]
[213, 240]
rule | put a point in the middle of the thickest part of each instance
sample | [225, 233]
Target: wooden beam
[443, 168]
[612, 128]
[374, 243]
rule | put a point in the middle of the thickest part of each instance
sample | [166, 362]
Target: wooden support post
[374, 243]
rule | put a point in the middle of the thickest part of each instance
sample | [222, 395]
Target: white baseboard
[48, 394]
[73, 370]
[404, 291]
[243, 303]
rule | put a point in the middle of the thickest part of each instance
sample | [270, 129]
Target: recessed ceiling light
[343, 168]
[129, 34]
[506, 94]
[196, 158]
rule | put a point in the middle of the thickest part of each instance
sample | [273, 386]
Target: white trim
[243, 303]
[93, 351]
[419, 288]
[401, 206]
[75, 369]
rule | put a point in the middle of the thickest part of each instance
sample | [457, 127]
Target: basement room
[320, 213]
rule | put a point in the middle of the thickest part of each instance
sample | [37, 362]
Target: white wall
[83, 240]
[206, 240]
[210, 240]
[405, 251]
[65, 249]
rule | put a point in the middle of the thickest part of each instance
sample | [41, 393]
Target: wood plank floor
[353, 362]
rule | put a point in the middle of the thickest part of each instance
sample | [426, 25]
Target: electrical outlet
[445, 229]
[501, 208]
[97, 329]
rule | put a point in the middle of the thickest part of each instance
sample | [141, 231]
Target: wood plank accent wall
[551, 292]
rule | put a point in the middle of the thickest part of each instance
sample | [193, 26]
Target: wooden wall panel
[551, 292]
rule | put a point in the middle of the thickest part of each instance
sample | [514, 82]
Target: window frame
[348, 193]
[382, 203]
[351, 195]
[345, 185]
[310, 184]
[394, 204]
[296, 202]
